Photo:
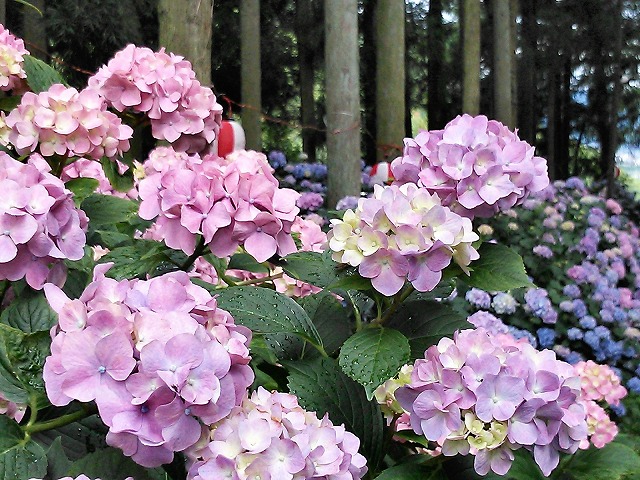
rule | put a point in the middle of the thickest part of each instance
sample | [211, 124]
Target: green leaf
[244, 261]
[373, 356]
[320, 270]
[122, 182]
[20, 459]
[265, 311]
[108, 210]
[612, 462]
[25, 355]
[9, 103]
[57, 462]
[499, 268]
[81, 188]
[112, 464]
[412, 472]
[321, 387]
[137, 260]
[29, 312]
[40, 76]
[76, 439]
[424, 323]
[330, 319]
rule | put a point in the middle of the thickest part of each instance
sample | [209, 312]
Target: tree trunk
[368, 82]
[305, 20]
[33, 28]
[514, 8]
[471, 57]
[527, 83]
[251, 73]
[435, 80]
[552, 87]
[343, 99]
[390, 78]
[615, 98]
[185, 28]
[503, 55]
[3, 12]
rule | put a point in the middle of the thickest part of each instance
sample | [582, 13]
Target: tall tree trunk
[617, 8]
[185, 29]
[367, 81]
[435, 80]
[307, 45]
[33, 28]
[564, 120]
[552, 87]
[390, 78]
[514, 9]
[527, 84]
[251, 73]
[503, 56]
[3, 12]
[343, 99]
[471, 57]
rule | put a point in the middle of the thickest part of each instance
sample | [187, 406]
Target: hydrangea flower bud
[12, 52]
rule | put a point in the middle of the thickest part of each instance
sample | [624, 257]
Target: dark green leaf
[268, 312]
[137, 260]
[112, 464]
[499, 268]
[82, 188]
[122, 182]
[112, 239]
[108, 210]
[29, 312]
[412, 472]
[612, 462]
[57, 462]
[9, 103]
[244, 261]
[40, 76]
[424, 323]
[320, 270]
[76, 439]
[373, 356]
[330, 318]
[321, 387]
[20, 459]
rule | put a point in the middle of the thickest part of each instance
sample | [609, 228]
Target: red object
[381, 173]
[230, 138]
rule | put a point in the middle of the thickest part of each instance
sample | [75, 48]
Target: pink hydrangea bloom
[84, 477]
[477, 166]
[164, 88]
[13, 410]
[602, 430]
[600, 382]
[158, 357]
[39, 223]
[65, 122]
[271, 436]
[230, 202]
[402, 233]
[12, 52]
[489, 395]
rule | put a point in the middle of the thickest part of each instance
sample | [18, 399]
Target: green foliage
[40, 76]
[321, 387]
[412, 472]
[110, 463]
[108, 210]
[374, 355]
[81, 188]
[330, 319]
[499, 268]
[318, 269]
[30, 312]
[20, 458]
[122, 182]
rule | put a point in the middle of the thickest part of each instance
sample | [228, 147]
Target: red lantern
[230, 138]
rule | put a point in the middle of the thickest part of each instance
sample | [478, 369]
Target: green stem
[398, 299]
[200, 248]
[253, 281]
[60, 421]
[356, 312]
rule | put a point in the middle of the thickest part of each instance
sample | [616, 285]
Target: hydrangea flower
[12, 52]
[347, 203]
[230, 202]
[270, 436]
[62, 121]
[12, 410]
[488, 395]
[164, 88]
[402, 233]
[158, 357]
[477, 166]
[277, 159]
[310, 201]
[477, 297]
[39, 223]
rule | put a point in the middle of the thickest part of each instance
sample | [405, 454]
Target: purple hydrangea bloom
[277, 159]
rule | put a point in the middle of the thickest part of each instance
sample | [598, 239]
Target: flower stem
[32, 428]
[254, 281]
[398, 299]
[200, 248]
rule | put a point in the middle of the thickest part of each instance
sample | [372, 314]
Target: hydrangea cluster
[310, 201]
[164, 88]
[39, 223]
[62, 121]
[402, 233]
[12, 52]
[277, 159]
[600, 382]
[230, 202]
[489, 395]
[158, 357]
[477, 166]
[271, 437]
